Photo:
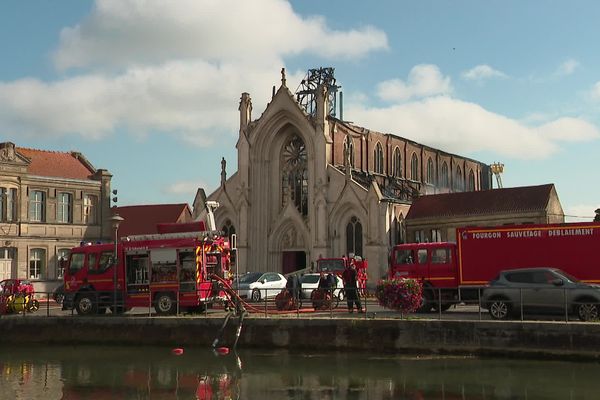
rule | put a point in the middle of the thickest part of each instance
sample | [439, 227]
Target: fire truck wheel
[256, 295]
[164, 304]
[499, 308]
[426, 301]
[33, 305]
[118, 310]
[588, 311]
[445, 306]
[86, 304]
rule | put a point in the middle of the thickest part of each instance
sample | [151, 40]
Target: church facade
[311, 185]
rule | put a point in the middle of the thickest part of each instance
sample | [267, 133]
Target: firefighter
[350, 278]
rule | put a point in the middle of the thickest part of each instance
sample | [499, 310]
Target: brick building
[49, 202]
[436, 217]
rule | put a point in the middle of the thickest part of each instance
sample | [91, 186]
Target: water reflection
[154, 373]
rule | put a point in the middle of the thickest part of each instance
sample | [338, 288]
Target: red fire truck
[338, 265]
[452, 272]
[168, 271]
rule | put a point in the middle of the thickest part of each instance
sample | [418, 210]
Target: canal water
[80, 372]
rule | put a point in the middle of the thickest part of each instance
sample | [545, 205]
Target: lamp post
[115, 221]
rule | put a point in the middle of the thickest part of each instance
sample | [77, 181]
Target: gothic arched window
[228, 229]
[414, 167]
[354, 237]
[397, 163]
[349, 150]
[294, 174]
[459, 183]
[378, 159]
[444, 176]
[471, 186]
[430, 171]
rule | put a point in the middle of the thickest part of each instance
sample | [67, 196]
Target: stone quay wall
[484, 338]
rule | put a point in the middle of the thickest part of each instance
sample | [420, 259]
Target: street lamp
[115, 221]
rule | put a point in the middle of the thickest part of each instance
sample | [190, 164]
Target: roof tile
[55, 164]
[143, 219]
[506, 200]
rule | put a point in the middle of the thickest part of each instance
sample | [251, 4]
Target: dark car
[540, 290]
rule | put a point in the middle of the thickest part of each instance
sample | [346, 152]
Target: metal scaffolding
[307, 91]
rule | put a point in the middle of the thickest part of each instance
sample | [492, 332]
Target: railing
[562, 304]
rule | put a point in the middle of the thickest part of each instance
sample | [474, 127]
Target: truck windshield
[76, 262]
[330, 265]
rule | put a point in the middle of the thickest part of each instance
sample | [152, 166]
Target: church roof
[143, 219]
[506, 200]
[56, 164]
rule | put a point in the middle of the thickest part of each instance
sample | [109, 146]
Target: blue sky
[150, 89]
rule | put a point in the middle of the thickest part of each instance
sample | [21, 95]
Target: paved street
[257, 310]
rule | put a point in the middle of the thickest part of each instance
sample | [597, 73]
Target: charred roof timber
[306, 94]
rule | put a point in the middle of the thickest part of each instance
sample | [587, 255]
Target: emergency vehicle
[170, 271]
[338, 265]
[453, 272]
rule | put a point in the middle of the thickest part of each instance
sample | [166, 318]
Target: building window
[354, 237]
[228, 229]
[62, 256]
[414, 167]
[90, 207]
[37, 206]
[420, 236]
[64, 208]
[378, 159]
[294, 169]
[8, 204]
[444, 176]
[459, 183]
[398, 231]
[7, 255]
[430, 171]
[397, 167]
[471, 183]
[37, 263]
[436, 235]
[349, 150]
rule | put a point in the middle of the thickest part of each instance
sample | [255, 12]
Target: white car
[260, 285]
[310, 282]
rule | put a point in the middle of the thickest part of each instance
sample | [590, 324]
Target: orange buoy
[223, 350]
[177, 351]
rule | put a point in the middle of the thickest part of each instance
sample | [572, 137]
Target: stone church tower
[309, 185]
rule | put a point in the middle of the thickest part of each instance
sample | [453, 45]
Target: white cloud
[481, 72]
[567, 67]
[187, 188]
[126, 32]
[462, 127]
[568, 129]
[194, 100]
[423, 80]
[151, 65]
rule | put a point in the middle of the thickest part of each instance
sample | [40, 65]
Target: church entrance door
[292, 261]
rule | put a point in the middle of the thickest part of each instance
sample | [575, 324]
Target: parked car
[310, 282]
[259, 285]
[540, 290]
